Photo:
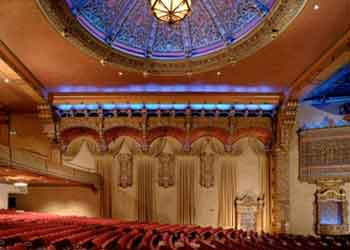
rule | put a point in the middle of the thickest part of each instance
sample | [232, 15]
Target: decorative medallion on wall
[207, 160]
[166, 170]
[126, 170]
[125, 160]
[126, 33]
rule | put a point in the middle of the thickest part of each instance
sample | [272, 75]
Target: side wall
[302, 194]
[61, 200]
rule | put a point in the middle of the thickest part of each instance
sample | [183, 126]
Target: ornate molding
[65, 23]
[324, 154]
[185, 129]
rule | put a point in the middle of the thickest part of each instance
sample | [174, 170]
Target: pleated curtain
[104, 168]
[265, 188]
[186, 189]
[145, 188]
[227, 193]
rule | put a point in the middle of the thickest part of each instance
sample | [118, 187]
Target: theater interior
[174, 124]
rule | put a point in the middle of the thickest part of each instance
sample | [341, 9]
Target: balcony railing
[36, 163]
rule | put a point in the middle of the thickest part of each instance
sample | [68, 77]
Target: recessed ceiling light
[7, 80]
[316, 7]
[218, 73]
[120, 73]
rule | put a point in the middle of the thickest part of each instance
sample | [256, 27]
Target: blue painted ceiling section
[337, 86]
[129, 26]
[333, 95]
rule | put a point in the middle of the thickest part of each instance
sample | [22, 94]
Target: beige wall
[302, 194]
[29, 135]
[80, 201]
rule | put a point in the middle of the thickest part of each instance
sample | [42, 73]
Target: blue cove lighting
[167, 106]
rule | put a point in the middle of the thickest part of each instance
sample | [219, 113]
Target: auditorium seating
[38, 231]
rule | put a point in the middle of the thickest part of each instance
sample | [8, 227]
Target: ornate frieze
[111, 122]
[88, 122]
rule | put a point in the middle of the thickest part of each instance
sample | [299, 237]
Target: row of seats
[37, 231]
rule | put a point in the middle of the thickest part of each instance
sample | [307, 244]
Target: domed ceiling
[125, 32]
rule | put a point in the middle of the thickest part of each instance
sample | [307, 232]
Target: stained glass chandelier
[170, 11]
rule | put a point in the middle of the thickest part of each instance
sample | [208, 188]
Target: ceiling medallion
[170, 11]
[126, 33]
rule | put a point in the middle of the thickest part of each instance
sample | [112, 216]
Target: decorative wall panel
[324, 153]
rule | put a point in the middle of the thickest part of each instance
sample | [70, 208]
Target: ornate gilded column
[51, 129]
[280, 167]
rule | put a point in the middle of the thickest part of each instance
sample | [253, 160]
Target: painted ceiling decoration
[127, 34]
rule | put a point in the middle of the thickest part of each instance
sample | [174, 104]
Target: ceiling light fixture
[20, 184]
[170, 11]
[316, 7]
[7, 80]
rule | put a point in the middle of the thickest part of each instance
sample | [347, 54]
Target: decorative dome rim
[279, 18]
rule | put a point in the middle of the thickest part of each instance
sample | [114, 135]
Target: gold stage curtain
[185, 189]
[104, 168]
[264, 167]
[145, 189]
[227, 193]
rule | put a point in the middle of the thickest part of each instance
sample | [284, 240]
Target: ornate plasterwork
[324, 154]
[280, 168]
[125, 170]
[249, 213]
[331, 208]
[276, 19]
[166, 171]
